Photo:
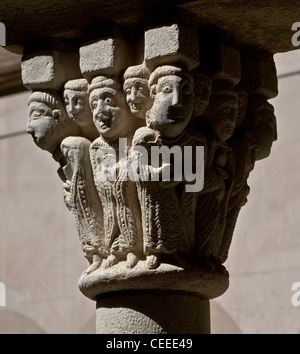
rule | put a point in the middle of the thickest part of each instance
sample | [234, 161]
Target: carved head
[202, 91]
[137, 91]
[242, 105]
[222, 110]
[48, 123]
[111, 113]
[77, 102]
[171, 88]
[262, 125]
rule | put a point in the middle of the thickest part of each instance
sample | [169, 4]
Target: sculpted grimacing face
[137, 96]
[173, 104]
[110, 112]
[77, 107]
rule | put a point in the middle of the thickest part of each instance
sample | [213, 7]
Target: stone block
[49, 69]
[219, 59]
[173, 42]
[259, 75]
[107, 55]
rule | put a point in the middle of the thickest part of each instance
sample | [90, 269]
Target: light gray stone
[49, 70]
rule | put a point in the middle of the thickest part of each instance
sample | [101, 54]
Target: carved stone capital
[156, 134]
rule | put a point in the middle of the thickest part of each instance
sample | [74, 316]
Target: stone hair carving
[104, 131]
[77, 106]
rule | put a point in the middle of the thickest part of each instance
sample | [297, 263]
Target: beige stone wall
[41, 259]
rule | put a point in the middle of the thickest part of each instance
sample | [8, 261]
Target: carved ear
[153, 91]
[56, 113]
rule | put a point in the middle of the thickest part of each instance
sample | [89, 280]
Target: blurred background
[40, 252]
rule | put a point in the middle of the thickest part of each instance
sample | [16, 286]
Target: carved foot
[97, 261]
[110, 261]
[132, 260]
[152, 262]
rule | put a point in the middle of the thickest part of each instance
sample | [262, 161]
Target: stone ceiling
[266, 24]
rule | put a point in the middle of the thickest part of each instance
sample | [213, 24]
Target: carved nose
[176, 98]
[30, 131]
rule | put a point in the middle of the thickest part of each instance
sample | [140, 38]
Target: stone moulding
[199, 281]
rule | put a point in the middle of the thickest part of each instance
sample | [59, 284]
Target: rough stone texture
[148, 232]
[266, 238]
[259, 74]
[220, 60]
[208, 284]
[109, 54]
[267, 25]
[49, 69]
[167, 44]
[152, 312]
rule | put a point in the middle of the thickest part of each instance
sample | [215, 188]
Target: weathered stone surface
[49, 70]
[220, 60]
[154, 312]
[259, 74]
[107, 55]
[166, 41]
[207, 284]
[157, 188]
[260, 24]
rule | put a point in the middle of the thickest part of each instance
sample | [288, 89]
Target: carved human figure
[202, 91]
[242, 149]
[82, 200]
[218, 121]
[137, 91]
[168, 229]
[77, 106]
[242, 105]
[48, 122]
[121, 213]
[221, 113]
[262, 127]
[253, 142]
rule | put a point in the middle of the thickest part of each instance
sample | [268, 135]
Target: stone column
[155, 229]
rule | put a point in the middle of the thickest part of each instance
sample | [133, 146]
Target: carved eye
[94, 104]
[36, 114]
[167, 89]
[128, 91]
[108, 101]
[227, 110]
[198, 90]
[186, 89]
